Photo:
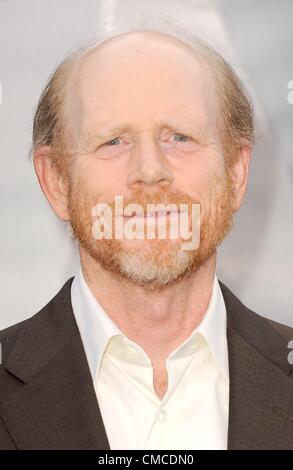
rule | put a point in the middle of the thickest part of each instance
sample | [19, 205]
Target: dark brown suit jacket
[47, 398]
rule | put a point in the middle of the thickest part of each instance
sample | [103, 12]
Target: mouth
[153, 215]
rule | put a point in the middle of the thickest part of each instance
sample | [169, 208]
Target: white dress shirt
[193, 413]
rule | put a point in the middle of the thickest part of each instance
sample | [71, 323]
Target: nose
[148, 165]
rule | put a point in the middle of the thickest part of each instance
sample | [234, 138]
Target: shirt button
[163, 416]
[130, 352]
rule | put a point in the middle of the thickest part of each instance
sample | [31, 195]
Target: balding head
[119, 71]
[138, 80]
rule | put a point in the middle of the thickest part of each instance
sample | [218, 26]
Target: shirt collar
[213, 329]
[94, 324]
[96, 327]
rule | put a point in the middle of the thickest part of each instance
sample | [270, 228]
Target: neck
[157, 320]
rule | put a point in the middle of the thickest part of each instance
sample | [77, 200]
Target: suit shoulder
[12, 330]
[269, 337]
[57, 302]
[284, 330]
[241, 312]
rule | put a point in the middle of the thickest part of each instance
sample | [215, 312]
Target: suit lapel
[55, 405]
[261, 389]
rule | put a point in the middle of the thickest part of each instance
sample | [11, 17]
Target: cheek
[203, 178]
[99, 181]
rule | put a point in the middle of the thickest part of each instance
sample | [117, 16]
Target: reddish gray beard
[152, 263]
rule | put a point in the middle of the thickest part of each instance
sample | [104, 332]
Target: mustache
[156, 197]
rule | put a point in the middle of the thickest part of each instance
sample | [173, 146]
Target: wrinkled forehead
[150, 69]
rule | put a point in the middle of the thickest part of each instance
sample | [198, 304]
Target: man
[145, 348]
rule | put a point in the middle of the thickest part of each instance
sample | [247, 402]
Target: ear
[54, 185]
[239, 175]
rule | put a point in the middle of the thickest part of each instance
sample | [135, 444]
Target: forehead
[141, 78]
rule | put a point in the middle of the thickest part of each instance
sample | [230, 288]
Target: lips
[156, 214]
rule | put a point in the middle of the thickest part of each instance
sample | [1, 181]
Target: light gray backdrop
[36, 253]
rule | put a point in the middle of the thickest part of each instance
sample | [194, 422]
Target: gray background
[36, 253]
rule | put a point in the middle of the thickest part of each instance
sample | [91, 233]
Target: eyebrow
[113, 130]
[101, 133]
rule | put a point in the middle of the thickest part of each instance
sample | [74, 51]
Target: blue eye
[112, 141]
[182, 137]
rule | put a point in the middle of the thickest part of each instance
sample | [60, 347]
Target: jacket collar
[54, 406]
[261, 388]
[261, 334]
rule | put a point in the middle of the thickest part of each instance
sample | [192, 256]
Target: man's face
[142, 123]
